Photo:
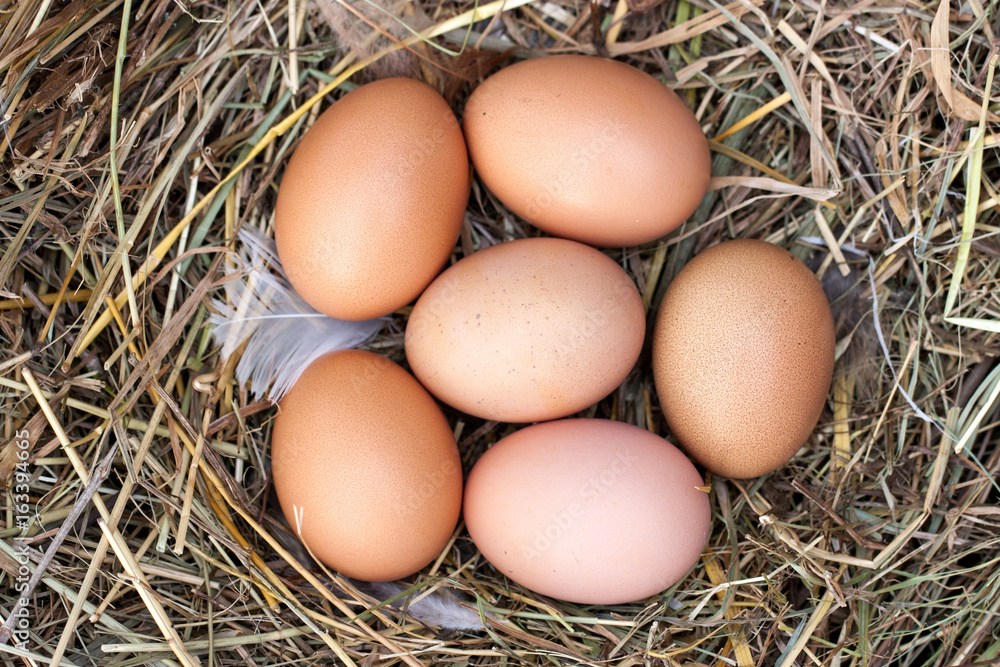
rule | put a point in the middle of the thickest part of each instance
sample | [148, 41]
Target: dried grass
[138, 137]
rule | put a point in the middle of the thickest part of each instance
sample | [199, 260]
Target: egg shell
[373, 199]
[588, 510]
[743, 355]
[528, 330]
[588, 148]
[363, 453]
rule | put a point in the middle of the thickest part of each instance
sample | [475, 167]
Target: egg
[528, 330]
[743, 353]
[588, 510]
[588, 148]
[373, 199]
[365, 463]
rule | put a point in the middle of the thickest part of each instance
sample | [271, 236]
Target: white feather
[283, 334]
[442, 607]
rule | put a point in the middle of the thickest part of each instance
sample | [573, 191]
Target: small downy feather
[442, 608]
[283, 334]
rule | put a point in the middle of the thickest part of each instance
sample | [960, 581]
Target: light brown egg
[373, 199]
[743, 357]
[529, 330]
[364, 460]
[588, 148]
[588, 510]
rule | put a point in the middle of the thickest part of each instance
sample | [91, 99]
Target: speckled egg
[372, 201]
[588, 510]
[588, 148]
[364, 461]
[528, 330]
[743, 357]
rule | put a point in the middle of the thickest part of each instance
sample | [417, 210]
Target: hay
[138, 139]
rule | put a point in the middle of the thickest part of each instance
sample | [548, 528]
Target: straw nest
[139, 137]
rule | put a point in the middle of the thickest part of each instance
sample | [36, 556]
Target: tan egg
[588, 148]
[373, 199]
[529, 330]
[363, 459]
[743, 357]
[588, 510]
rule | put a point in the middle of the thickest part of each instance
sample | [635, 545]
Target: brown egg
[529, 330]
[373, 199]
[363, 458]
[588, 148]
[588, 510]
[743, 357]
